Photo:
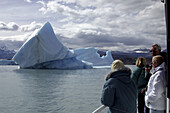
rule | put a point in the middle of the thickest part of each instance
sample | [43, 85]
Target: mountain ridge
[129, 58]
[5, 53]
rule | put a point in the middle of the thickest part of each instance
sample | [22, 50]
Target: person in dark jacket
[141, 78]
[119, 92]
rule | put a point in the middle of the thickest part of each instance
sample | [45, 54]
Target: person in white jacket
[155, 97]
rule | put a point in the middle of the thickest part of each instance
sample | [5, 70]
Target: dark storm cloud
[88, 40]
[113, 24]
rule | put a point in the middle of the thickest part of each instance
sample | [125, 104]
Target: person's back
[119, 92]
[138, 76]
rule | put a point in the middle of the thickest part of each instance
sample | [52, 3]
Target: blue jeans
[156, 111]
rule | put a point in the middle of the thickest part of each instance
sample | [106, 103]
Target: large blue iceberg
[44, 51]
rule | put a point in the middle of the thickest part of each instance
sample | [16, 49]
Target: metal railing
[99, 109]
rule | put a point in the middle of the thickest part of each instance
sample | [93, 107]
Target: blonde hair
[117, 65]
[141, 62]
[158, 58]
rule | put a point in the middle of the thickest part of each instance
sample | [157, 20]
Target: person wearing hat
[119, 92]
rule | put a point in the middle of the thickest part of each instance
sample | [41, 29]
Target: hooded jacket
[155, 97]
[140, 78]
[119, 92]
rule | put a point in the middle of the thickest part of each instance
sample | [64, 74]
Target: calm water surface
[50, 91]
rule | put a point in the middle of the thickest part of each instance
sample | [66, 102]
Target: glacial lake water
[51, 91]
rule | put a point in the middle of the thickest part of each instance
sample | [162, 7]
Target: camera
[148, 66]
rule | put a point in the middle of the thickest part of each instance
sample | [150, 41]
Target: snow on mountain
[4, 48]
[141, 50]
[5, 53]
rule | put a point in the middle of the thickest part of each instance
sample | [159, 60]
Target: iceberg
[44, 51]
[91, 55]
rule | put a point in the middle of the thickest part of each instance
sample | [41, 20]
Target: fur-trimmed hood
[123, 74]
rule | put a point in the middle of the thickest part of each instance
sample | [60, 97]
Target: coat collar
[119, 73]
[160, 67]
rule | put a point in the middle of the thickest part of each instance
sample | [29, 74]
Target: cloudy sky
[119, 25]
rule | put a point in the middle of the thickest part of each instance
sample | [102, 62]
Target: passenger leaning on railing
[119, 92]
